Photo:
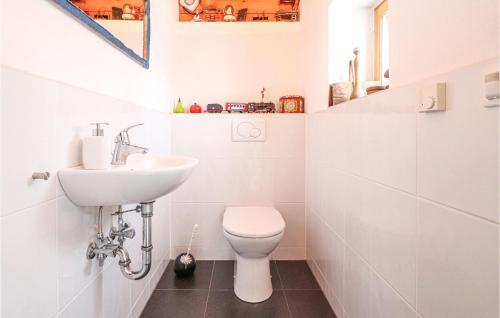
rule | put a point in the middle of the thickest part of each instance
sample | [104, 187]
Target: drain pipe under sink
[146, 210]
[105, 246]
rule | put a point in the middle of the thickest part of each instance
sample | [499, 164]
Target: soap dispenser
[96, 150]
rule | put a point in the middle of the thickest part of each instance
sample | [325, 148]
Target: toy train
[250, 107]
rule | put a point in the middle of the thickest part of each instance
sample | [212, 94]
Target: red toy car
[237, 107]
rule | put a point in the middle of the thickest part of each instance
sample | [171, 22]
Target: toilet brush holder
[185, 263]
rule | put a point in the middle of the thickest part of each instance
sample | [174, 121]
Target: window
[381, 19]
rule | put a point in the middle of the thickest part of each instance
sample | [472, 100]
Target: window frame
[380, 10]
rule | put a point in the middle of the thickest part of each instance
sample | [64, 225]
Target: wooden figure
[357, 89]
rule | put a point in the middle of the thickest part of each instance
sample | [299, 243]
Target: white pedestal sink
[142, 179]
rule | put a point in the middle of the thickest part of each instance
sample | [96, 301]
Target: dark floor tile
[275, 277]
[199, 280]
[296, 275]
[225, 304]
[223, 275]
[223, 278]
[308, 304]
[176, 304]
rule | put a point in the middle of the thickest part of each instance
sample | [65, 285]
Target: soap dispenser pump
[96, 149]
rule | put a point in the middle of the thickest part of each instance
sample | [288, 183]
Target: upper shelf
[239, 10]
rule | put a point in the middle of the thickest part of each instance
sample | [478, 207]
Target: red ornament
[195, 108]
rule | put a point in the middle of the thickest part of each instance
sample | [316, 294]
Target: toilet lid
[257, 222]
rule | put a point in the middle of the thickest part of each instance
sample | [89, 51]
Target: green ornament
[179, 108]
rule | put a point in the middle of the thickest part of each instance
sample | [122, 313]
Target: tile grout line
[29, 207]
[417, 228]
[283, 290]
[58, 267]
[418, 196]
[457, 210]
[382, 278]
[209, 286]
[371, 267]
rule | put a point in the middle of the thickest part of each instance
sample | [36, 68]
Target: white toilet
[253, 232]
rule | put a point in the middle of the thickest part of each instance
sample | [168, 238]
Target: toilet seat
[253, 222]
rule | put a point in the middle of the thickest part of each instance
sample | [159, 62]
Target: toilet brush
[185, 264]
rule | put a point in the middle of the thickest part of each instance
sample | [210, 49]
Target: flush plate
[249, 130]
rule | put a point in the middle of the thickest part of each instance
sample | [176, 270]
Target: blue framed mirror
[124, 23]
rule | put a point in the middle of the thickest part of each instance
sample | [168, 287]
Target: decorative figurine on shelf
[229, 14]
[242, 14]
[291, 104]
[262, 107]
[214, 108]
[197, 17]
[185, 264]
[282, 15]
[179, 108]
[128, 12]
[357, 89]
[195, 108]
[213, 14]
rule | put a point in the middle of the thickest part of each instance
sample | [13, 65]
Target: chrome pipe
[100, 235]
[146, 214]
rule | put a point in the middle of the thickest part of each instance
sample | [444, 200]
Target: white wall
[44, 40]
[350, 25]
[222, 62]
[44, 236]
[404, 206]
[130, 32]
[431, 37]
[269, 173]
[314, 68]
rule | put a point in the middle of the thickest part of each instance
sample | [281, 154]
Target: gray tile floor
[209, 293]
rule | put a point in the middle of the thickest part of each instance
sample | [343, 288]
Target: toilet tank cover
[255, 222]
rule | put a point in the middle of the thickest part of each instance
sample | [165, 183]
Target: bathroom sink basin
[142, 179]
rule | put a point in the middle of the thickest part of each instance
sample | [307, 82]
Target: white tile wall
[44, 236]
[402, 208]
[28, 139]
[464, 173]
[457, 260]
[238, 173]
[29, 262]
[407, 203]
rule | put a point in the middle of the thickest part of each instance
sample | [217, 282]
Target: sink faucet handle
[133, 126]
[123, 135]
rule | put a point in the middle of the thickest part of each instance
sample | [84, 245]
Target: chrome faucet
[123, 148]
